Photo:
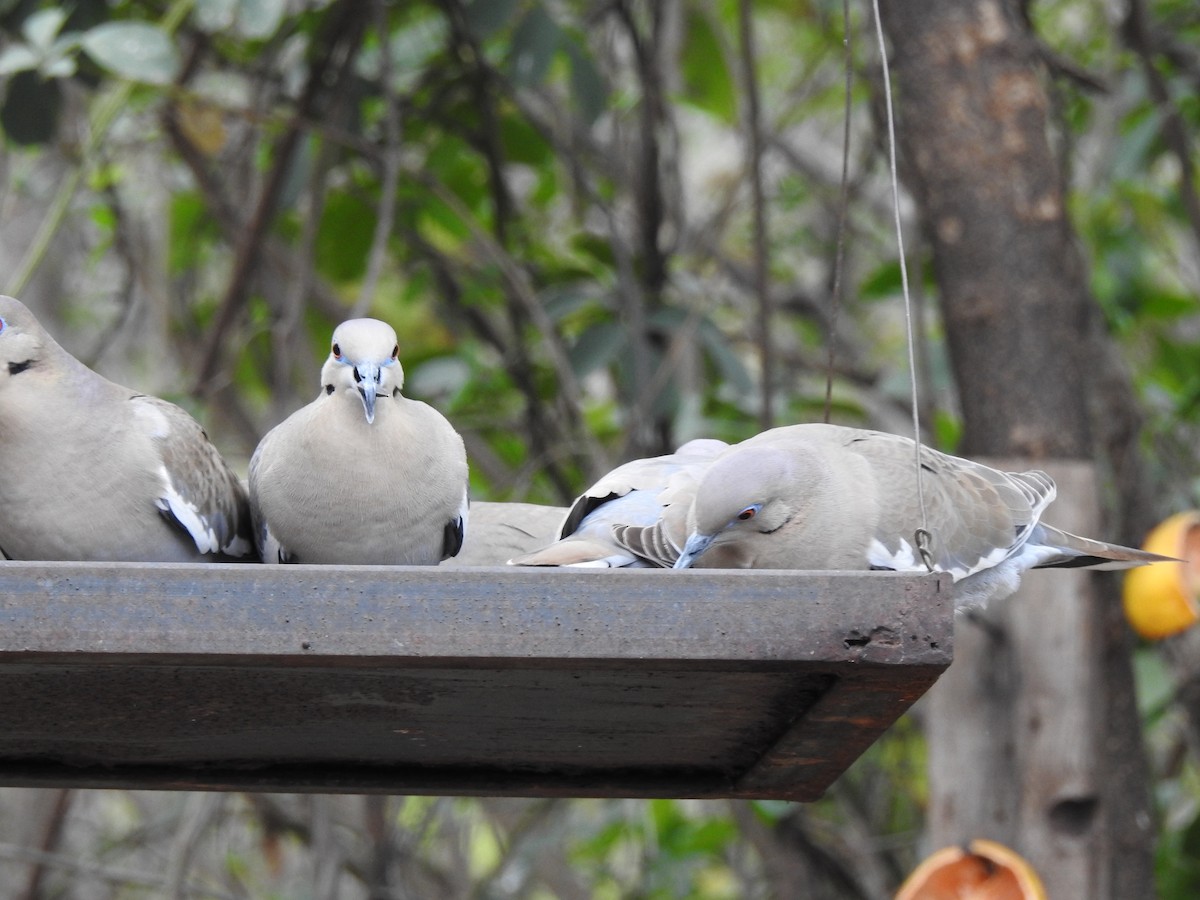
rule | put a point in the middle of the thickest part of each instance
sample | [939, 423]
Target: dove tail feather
[1069, 551]
[575, 553]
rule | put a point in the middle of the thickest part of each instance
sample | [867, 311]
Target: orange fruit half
[1160, 600]
[982, 870]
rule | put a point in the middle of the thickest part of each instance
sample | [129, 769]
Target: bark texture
[1034, 738]
[972, 115]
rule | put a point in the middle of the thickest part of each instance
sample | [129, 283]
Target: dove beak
[367, 375]
[696, 544]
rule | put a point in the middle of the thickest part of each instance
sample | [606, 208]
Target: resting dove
[638, 493]
[90, 470]
[362, 475]
[502, 530]
[830, 497]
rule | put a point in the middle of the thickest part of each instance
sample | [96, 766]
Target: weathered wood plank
[491, 681]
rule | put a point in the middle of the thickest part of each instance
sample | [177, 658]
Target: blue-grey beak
[696, 544]
[367, 376]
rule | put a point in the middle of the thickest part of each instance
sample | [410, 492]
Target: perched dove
[639, 493]
[90, 470]
[362, 475]
[502, 530]
[829, 497]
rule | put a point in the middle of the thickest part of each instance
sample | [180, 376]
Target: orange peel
[1160, 600]
[981, 870]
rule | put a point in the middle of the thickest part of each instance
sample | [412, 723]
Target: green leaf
[947, 430]
[17, 58]
[1166, 304]
[598, 346]
[43, 26]
[190, 224]
[707, 82]
[485, 17]
[257, 20]
[881, 282]
[534, 42]
[1135, 144]
[589, 93]
[523, 143]
[134, 50]
[212, 16]
[344, 238]
[413, 46]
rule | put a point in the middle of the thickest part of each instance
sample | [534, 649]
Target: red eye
[337, 352]
[748, 513]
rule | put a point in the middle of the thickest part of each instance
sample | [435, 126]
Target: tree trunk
[1034, 739]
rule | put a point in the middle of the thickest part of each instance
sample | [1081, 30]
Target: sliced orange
[1160, 600]
[982, 870]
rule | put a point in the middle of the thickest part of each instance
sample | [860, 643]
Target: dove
[362, 475]
[93, 471]
[639, 493]
[832, 497]
[502, 530]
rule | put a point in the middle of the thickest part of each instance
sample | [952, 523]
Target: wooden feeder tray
[485, 681]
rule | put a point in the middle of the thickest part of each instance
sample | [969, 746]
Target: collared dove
[500, 531]
[90, 470]
[362, 475]
[829, 497]
[639, 493]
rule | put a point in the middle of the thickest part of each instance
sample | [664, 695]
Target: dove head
[24, 344]
[363, 363]
[743, 494]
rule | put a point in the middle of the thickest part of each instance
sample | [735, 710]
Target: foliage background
[597, 237]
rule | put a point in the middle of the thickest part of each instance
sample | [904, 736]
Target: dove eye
[748, 513]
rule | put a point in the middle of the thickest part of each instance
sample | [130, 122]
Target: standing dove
[638, 493]
[830, 497]
[362, 475]
[90, 470]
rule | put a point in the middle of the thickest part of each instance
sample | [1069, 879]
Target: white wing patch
[158, 424]
[905, 559]
[187, 516]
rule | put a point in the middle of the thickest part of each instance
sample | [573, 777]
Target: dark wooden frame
[486, 681]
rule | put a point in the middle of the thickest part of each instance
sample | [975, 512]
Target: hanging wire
[922, 536]
[839, 259]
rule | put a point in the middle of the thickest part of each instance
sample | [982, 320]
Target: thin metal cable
[922, 535]
[843, 203]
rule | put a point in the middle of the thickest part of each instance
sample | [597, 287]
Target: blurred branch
[343, 28]
[107, 111]
[752, 127]
[524, 306]
[648, 197]
[94, 871]
[1145, 42]
[536, 815]
[327, 856]
[392, 154]
[570, 395]
[51, 833]
[199, 811]
[797, 864]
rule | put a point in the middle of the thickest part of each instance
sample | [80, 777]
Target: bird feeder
[483, 681]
